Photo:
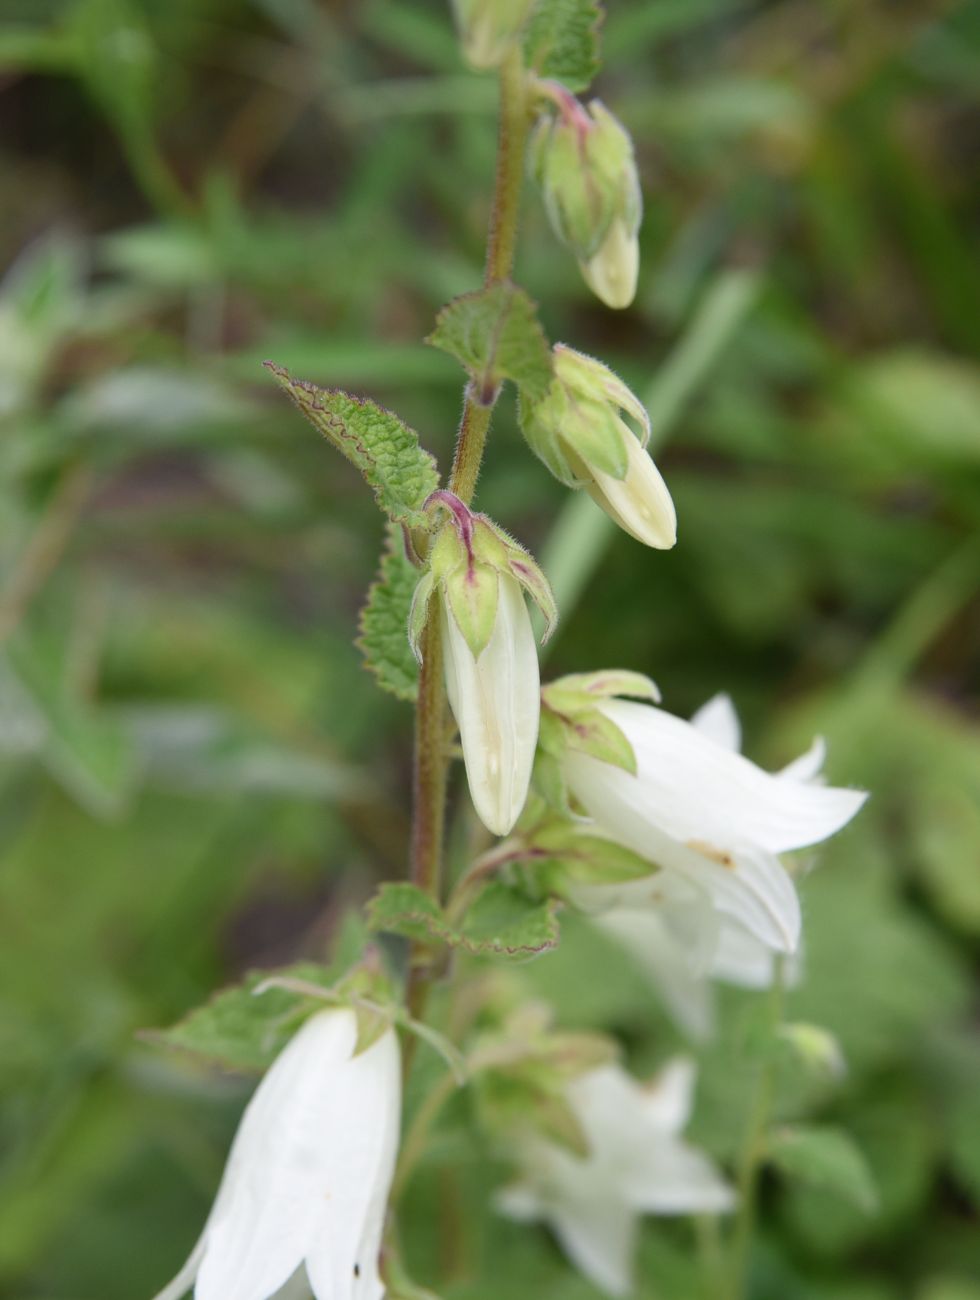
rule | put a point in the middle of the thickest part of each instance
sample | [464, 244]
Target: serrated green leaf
[495, 335]
[383, 447]
[241, 1030]
[562, 41]
[827, 1158]
[501, 921]
[383, 637]
[402, 908]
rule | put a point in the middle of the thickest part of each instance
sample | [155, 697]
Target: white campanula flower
[306, 1184]
[495, 699]
[636, 1164]
[592, 432]
[704, 814]
[479, 575]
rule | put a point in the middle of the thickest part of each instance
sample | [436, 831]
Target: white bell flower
[307, 1180]
[495, 697]
[636, 1164]
[702, 812]
[478, 575]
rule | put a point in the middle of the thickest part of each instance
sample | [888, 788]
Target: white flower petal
[668, 1098]
[809, 765]
[599, 1237]
[520, 1202]
[719, 722]
[694, 790]
[342, 1260]
[742, 960]
[640, 503]
[749, 885]
[270, 1197]
[677, 1179]
[645, 934]
[613, 271]
[496, 702]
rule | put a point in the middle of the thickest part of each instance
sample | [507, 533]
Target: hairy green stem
[431, 757]
[754, 1150]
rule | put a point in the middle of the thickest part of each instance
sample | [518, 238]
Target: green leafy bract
[383, 636]
[242, 1030]
[495, 335]
[501, 921]
[383, 447]
[561, 41]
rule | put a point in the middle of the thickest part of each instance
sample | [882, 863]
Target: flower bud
[479, 576]
[580, 431]
[583, 161]
[487, 28]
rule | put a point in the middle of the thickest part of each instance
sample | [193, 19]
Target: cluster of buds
[582, 159]
[479, 576]
[580, 430]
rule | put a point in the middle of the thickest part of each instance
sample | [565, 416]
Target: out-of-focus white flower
[308, 1176]
[591, 431]
[478, 575]
[701, 811]
[636, 1164]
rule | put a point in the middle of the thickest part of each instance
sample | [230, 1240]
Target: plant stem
[431, 757]
[501, 246]
[754, 1150]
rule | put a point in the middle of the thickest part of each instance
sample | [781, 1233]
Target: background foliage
[197, 776]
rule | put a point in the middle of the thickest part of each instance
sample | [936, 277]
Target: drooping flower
[636, 1164]
[583, 161]
[479, 576]
[701, 812]
[307, 1180]
[580, 430]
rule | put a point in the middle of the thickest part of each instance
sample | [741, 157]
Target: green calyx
[572, 719]
[582, 421]
[582, 159]
[468, 558]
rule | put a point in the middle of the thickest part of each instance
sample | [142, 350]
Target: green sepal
[418, 613]
[573, 856]
[472, 594]
[548, 777]
[596, 434]
[579, 690]
[592, 733]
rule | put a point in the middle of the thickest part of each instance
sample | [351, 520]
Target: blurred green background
[196, 774]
